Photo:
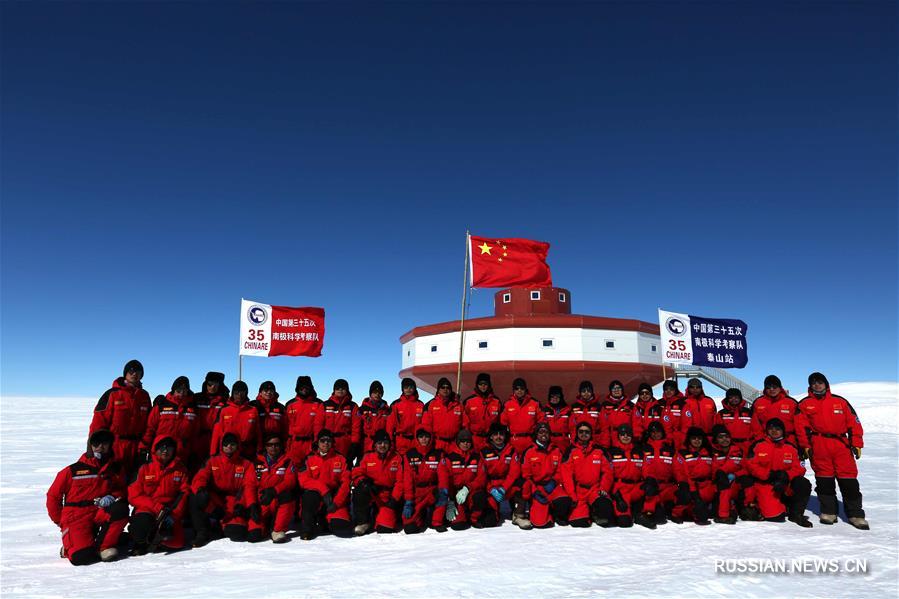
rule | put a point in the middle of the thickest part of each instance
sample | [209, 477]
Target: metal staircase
[719, 378]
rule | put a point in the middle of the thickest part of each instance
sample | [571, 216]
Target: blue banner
[718, 342]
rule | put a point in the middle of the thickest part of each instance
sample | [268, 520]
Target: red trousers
[79, 532]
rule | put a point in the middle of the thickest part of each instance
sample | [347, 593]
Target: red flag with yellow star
[509, 263]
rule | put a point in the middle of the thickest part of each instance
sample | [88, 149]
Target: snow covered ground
[38, 437]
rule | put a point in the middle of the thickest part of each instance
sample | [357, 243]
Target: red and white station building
[534, 335]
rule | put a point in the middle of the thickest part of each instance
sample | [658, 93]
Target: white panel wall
[527, 344]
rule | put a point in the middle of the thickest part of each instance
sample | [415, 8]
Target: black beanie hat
[380, 436]
[325, 434]
[267, 385]
[817, 376]
[582, 425]
[376, 387]
[733, 392]
[214, 377]
[585, 386]
[625, 429]
[644, 387]
[695, 431]
[555, 390]
[775, 423]
[341, 384]
[101, 436]
[239, 386]
[497, 427]
[133, 365]
[423, 431]
[616, 383]
[655, 425]
[272, 435]
[444, 381]
[520, 382]
[772, 381]
[407, 382]
[718, 429]
[463, 435]
[304, 381]
[694, 381]
[483, 376]
[165, 441]
[182, 382]
[669, 384]
[230, 439]
[539, 426]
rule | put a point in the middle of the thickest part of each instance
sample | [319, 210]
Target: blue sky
[162, 160]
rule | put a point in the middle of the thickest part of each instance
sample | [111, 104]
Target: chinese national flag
[509, 263]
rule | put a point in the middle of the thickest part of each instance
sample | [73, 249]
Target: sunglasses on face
[273, 444]
[445, 387]
[617, 388]
[645, 393]
[517, 388]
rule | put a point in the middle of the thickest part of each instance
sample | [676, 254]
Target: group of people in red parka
[254, 470]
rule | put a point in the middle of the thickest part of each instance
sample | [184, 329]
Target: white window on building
[548, 343]
[610, 344]
[562, 298]
[482, 345]
[433, 349]
[507, 297]
[535, 295]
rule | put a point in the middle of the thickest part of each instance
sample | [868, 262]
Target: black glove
[366, 483]
[779, 480]
[745, 480]
[355, 452]
[143, 456]
[328, 502]
[201, 497]
[240, 511]
[268, 495]
[620, 503]
[255, 513]
[651, 487]
[721, 480]
[683, 493]
[394, 504]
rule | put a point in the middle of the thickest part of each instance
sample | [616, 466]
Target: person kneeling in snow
[461, 481]
[378, 487]
[224, 490]
[277, 482]
[325, 480]
[587, 476]
[774, 462]
[87, 502]
[540, 469]
[159, 495]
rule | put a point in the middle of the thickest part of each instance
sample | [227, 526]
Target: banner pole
[462, 319]
[664, 375]
[239, 367]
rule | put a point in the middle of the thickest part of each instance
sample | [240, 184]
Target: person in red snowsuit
[373, 412]
[658, 472]
[405, 417]
[224, 490]
[461, 479]
[173, 416]
[557, 415]
[87, 502]
[276, 479]
[627, 489]
[502, 470]
[305, 418]
[272, 413]
[587, 478]
[521, 413]
[207, 402]
[584, 409]
[774, 403]
[325, 480]
[780, 484]
[443, 415]
[647, 409]
[342, 419]
[378, 488]
[736, 417]
[420, 473]
[541, 472]
[699, 409]
[613, 412]
[160, 485]
[736, 488]
[830, 434]
[240, 418]
[674, 421]
[123, 410]
[693, 471]
[481, 410]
